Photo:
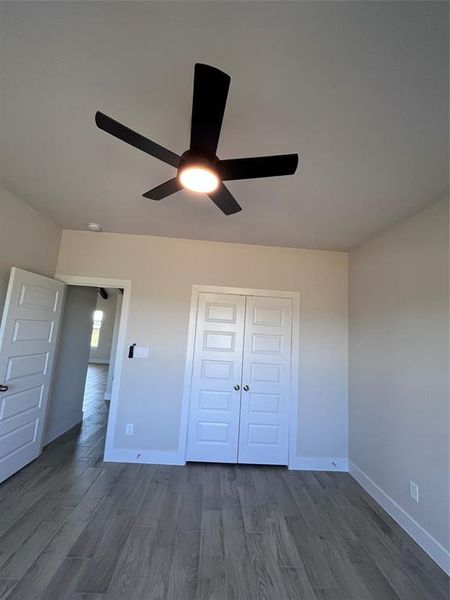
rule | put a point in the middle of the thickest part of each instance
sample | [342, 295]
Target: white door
[241, 380]
[266, 377]
[213, 427]
[28, 334]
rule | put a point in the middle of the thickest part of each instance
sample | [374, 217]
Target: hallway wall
[72, 357]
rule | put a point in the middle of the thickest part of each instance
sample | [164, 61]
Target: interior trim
[319, 463]
[426, 541]
[125, 284]
[294, 402]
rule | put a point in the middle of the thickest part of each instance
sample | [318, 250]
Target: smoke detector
[94, 227]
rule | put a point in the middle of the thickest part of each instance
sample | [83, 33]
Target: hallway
[95, 409]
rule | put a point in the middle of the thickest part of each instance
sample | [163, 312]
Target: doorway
[32, 335]
[105, 330]
[112, 386]
[84, 365]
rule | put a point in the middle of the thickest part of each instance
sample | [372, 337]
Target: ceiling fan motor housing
[193, 159]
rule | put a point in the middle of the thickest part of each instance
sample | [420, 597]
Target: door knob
[3, 388]
[237, 387]
[246, 388]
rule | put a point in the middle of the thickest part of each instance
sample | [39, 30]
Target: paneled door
[266, 375]
[28, 335]
[213, 427]
[241, 380]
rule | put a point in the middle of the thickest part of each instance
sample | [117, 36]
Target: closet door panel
[264, 419]
[217, 368]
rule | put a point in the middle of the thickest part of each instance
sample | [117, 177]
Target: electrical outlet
[414, 491]
[129, 429]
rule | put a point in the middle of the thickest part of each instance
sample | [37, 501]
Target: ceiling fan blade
[165, 189]
[259, 166]
[136, 139]
[223, 199]
[208, 106]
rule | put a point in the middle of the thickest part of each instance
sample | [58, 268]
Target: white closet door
[217, 370]
[264, 422]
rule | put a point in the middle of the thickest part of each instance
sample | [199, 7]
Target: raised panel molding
[26, 330]
[263, 403]
[212, 432]
[25, 366]
[267, 316]
[267, 344]
[35, 296]
[220, 313]
[15, 404]
[219, 340]
[214, 400]
[217, 369]
[265, 373]
[17, 439]
[262, 434]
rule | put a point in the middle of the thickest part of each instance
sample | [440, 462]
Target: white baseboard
[308, 463]
[99, 361]
[60, 428]
[149, 457]
[425, 540]
[161, 457]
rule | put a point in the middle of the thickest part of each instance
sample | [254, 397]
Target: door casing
[294, 398]
[125, 284]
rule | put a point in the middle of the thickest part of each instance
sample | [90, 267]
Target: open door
[28, 337]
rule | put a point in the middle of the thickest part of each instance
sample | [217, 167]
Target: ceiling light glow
[199, 179]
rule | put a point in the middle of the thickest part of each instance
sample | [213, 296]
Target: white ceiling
[358, 89]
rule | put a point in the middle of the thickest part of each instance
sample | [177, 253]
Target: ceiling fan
[199, 169]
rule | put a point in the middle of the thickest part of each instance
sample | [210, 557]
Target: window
[96, 326]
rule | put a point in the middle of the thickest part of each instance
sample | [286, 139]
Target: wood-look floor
[75, 528]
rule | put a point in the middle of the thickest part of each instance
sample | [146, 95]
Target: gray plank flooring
[75, 528]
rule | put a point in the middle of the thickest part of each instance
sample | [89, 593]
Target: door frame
[294, 386]
[125, 284]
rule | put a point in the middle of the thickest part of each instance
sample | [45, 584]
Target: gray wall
[69, 375]
[162, 271]
[399, 365]
[27, 240]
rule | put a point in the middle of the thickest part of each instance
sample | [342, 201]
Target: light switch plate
[141, 352]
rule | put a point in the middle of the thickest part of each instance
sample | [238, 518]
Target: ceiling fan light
[199, 179]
